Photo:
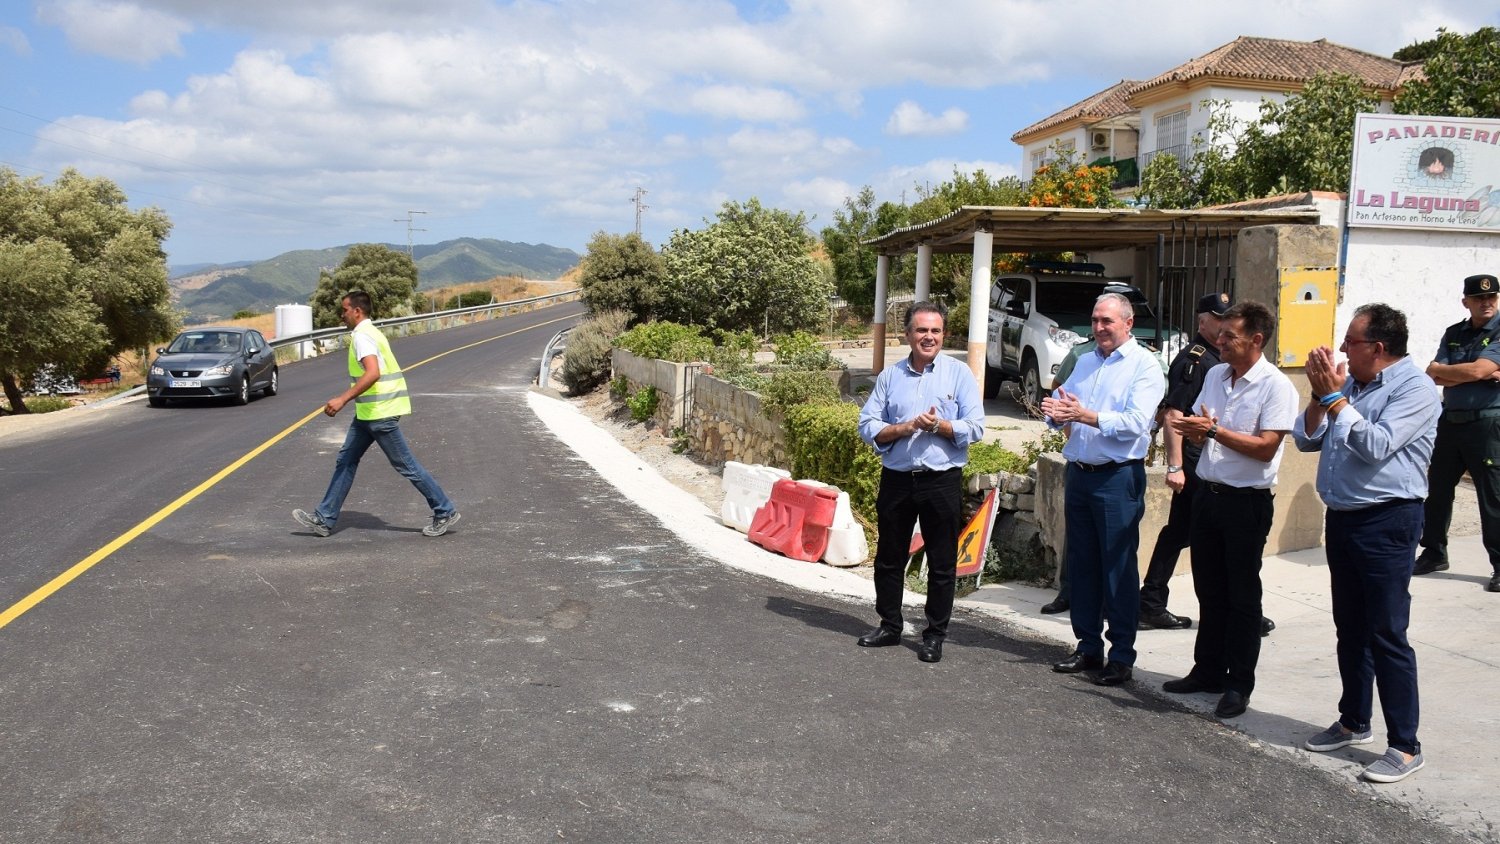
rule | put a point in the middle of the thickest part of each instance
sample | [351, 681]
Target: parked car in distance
[203, 363]
[1036, 318]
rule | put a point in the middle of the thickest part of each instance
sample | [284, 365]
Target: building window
[1171, 130]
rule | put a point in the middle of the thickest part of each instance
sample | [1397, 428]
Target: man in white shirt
[1246, 408]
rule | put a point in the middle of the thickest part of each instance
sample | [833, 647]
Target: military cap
[1218, 303]
[1481, 285]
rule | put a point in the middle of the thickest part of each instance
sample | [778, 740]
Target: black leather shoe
[931, 650]
[1231, 704]
[1113, 674]
[1428, 562]
[1163, 620]
[1266, 626]
[880, 637]
[1058, 605]
[1494, 585]
[1191, 685]
[1078, 661]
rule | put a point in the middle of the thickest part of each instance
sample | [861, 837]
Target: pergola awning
[1059, 229]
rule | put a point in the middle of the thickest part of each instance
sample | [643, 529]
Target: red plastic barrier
[796, 520]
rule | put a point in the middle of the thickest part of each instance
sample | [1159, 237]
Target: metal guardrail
[544, 372]
[454, 316]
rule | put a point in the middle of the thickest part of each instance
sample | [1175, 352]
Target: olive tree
[622, 272]
[388, 275]
[82, 277]
[751, 268]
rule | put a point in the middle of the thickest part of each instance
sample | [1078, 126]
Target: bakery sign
[1415, 172]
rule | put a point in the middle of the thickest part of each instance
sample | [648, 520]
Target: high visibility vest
[387, 397]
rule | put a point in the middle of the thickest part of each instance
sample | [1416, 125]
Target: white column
[877, 332]
[924, 272]
[979, 301]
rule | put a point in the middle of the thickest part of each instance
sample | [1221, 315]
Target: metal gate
[1193, 260]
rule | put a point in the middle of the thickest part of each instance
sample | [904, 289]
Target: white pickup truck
[1037, 317]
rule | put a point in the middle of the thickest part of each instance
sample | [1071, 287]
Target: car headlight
[221, 369]
[1063, 336]
[157, 370]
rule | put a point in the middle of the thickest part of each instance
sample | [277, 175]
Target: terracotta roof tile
[1101, 106]
[1276, 60]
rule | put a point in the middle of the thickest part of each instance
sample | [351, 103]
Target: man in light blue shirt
[1374, 420]
[921, 417]
[1106, 407]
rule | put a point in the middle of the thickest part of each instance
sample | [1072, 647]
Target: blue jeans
[1104, 510]
[387, 433]
[1370, 557]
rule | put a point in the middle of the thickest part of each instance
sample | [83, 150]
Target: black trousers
[1464, 446]
[1174, 536]
[936, 500]
[1228, 537]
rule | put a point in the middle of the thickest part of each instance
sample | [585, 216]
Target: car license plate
[187, 383]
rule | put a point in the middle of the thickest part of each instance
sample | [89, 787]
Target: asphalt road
[557, 668]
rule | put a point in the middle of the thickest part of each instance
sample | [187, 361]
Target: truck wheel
[1031, 379]
[992, 380]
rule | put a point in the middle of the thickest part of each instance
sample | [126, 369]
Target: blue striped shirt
[901, 393]
[1378, 447]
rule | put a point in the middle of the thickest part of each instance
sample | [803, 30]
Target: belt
[922, 472]
[1226, 489]
[1462, 416]
[1105, 467]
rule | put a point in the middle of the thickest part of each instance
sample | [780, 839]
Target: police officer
[1184, 382]
[1467, 367]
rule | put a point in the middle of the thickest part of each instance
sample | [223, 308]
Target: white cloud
[761, 105]
[911, 119]
[14, 40]
[819, 193]
[117, 30]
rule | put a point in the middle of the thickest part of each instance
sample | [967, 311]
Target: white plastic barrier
[747, 488]
[847, 545]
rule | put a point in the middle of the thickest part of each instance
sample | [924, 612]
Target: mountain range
[217, 291]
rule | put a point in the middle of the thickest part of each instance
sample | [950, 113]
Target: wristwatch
[1213, 431]
[1171, 468]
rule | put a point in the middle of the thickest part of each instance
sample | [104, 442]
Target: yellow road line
[56, 583]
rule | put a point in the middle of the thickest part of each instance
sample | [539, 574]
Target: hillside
[212, 292]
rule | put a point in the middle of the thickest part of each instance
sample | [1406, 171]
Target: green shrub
[245, 314]
[823, 443]
[469, 299]
[956, 326]
[988, 458]
[666, 341]
[619, 388]
[643, 403]
[793, 387]
[47, 404]
[586, 359]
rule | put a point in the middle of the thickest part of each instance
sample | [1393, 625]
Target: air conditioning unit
[1100, 141]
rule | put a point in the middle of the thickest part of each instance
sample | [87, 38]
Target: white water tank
[292, 320]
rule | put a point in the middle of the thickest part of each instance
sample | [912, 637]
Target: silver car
[204, 363]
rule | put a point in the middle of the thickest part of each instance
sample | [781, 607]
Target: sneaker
[1429, 562]
[1393, 766]
[312, 522]
[1336, 737]
[440, 526]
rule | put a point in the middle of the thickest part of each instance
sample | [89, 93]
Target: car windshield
[205, 342]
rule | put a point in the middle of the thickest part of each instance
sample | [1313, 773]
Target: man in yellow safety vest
[378, 390]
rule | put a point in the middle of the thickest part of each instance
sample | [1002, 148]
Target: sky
[267, 126]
